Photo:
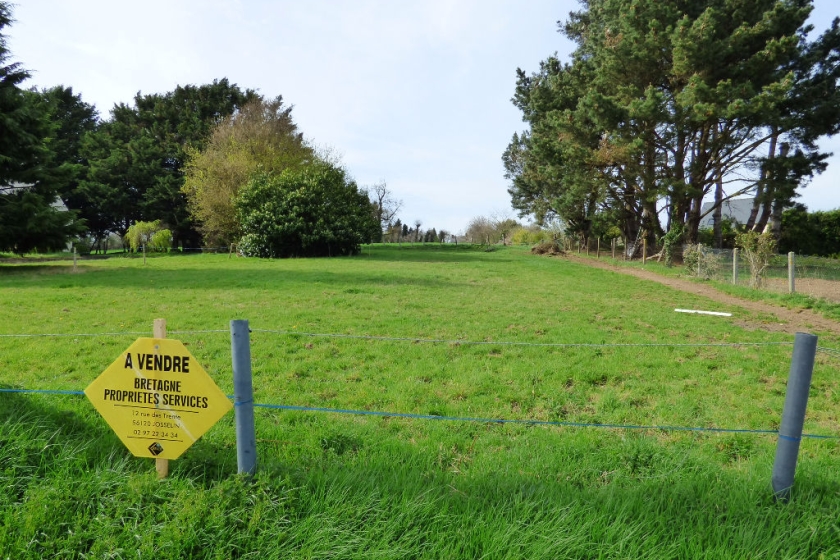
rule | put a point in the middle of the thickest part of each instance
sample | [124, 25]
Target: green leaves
[137, 159]
[313, 212]
[261, 136]
[664, 101]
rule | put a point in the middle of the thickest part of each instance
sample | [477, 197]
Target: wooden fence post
[735, 266]
[159, 331]
[791, 273]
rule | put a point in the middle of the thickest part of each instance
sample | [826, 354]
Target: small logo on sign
[156, 449]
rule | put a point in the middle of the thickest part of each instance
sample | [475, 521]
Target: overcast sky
[416, 94]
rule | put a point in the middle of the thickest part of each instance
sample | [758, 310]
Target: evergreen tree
[30, 175]
[137, 158]
[671, 102]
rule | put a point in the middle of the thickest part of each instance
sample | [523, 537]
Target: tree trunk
[779, 199]
[718, 212]
[761, 190]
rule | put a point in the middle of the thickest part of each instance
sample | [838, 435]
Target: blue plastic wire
[42, 391]
[468, 418]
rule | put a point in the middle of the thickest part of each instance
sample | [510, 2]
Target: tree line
[207, 164]
[665, 104]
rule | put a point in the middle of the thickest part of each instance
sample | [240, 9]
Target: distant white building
[736, 209]
[58, 204]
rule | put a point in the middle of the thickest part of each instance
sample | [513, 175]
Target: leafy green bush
[728, 230]
[312, 212]
[758, 248]
[670, 243]
[810, 233]
[161, 240]
[151, 234]
[530, 235]
[699, 260]
[82, 245]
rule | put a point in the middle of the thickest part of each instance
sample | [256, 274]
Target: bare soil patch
[817, 287]
[788, 320]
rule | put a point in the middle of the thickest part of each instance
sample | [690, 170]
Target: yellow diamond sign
[157, 398]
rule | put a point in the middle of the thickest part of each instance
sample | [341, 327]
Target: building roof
[736, 209]
[58, 204]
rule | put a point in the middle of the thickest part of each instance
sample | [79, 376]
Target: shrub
[161, 240]
[312, 212]
[151, 234]
[699, 261]
[728, 229]
[670, 243]
[758, 249]
[547, 248]
[530, 235]
[82, 245]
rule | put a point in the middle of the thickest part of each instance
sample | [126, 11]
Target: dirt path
[788, 320]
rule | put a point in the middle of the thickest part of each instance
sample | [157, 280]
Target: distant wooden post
[74, 259]
[614, 243]
[159, 331]
[735, 266]
[586, 242]
[624, 247]
[644, 251]
[791, 273]
[598, 249]
[144, 255]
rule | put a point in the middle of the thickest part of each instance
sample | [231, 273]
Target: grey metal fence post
[735, 266]
[791, 273]
[793, 416]
[243, 397]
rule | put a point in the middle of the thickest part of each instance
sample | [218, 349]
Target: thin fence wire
[532, 422]
[418, 340]
[718, 265]
[471, 419]
[415, 340]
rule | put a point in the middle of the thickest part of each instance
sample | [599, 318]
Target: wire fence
[434, 417]
[464, 419]
[813, 276]
[419, 340]
[805, 267]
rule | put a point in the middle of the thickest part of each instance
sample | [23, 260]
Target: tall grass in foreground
[335, 485]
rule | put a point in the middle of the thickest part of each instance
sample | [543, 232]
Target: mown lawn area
[449, 331]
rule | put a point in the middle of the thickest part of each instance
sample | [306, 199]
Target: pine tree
[29, 172]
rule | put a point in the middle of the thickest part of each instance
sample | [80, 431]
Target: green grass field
[334, 485]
